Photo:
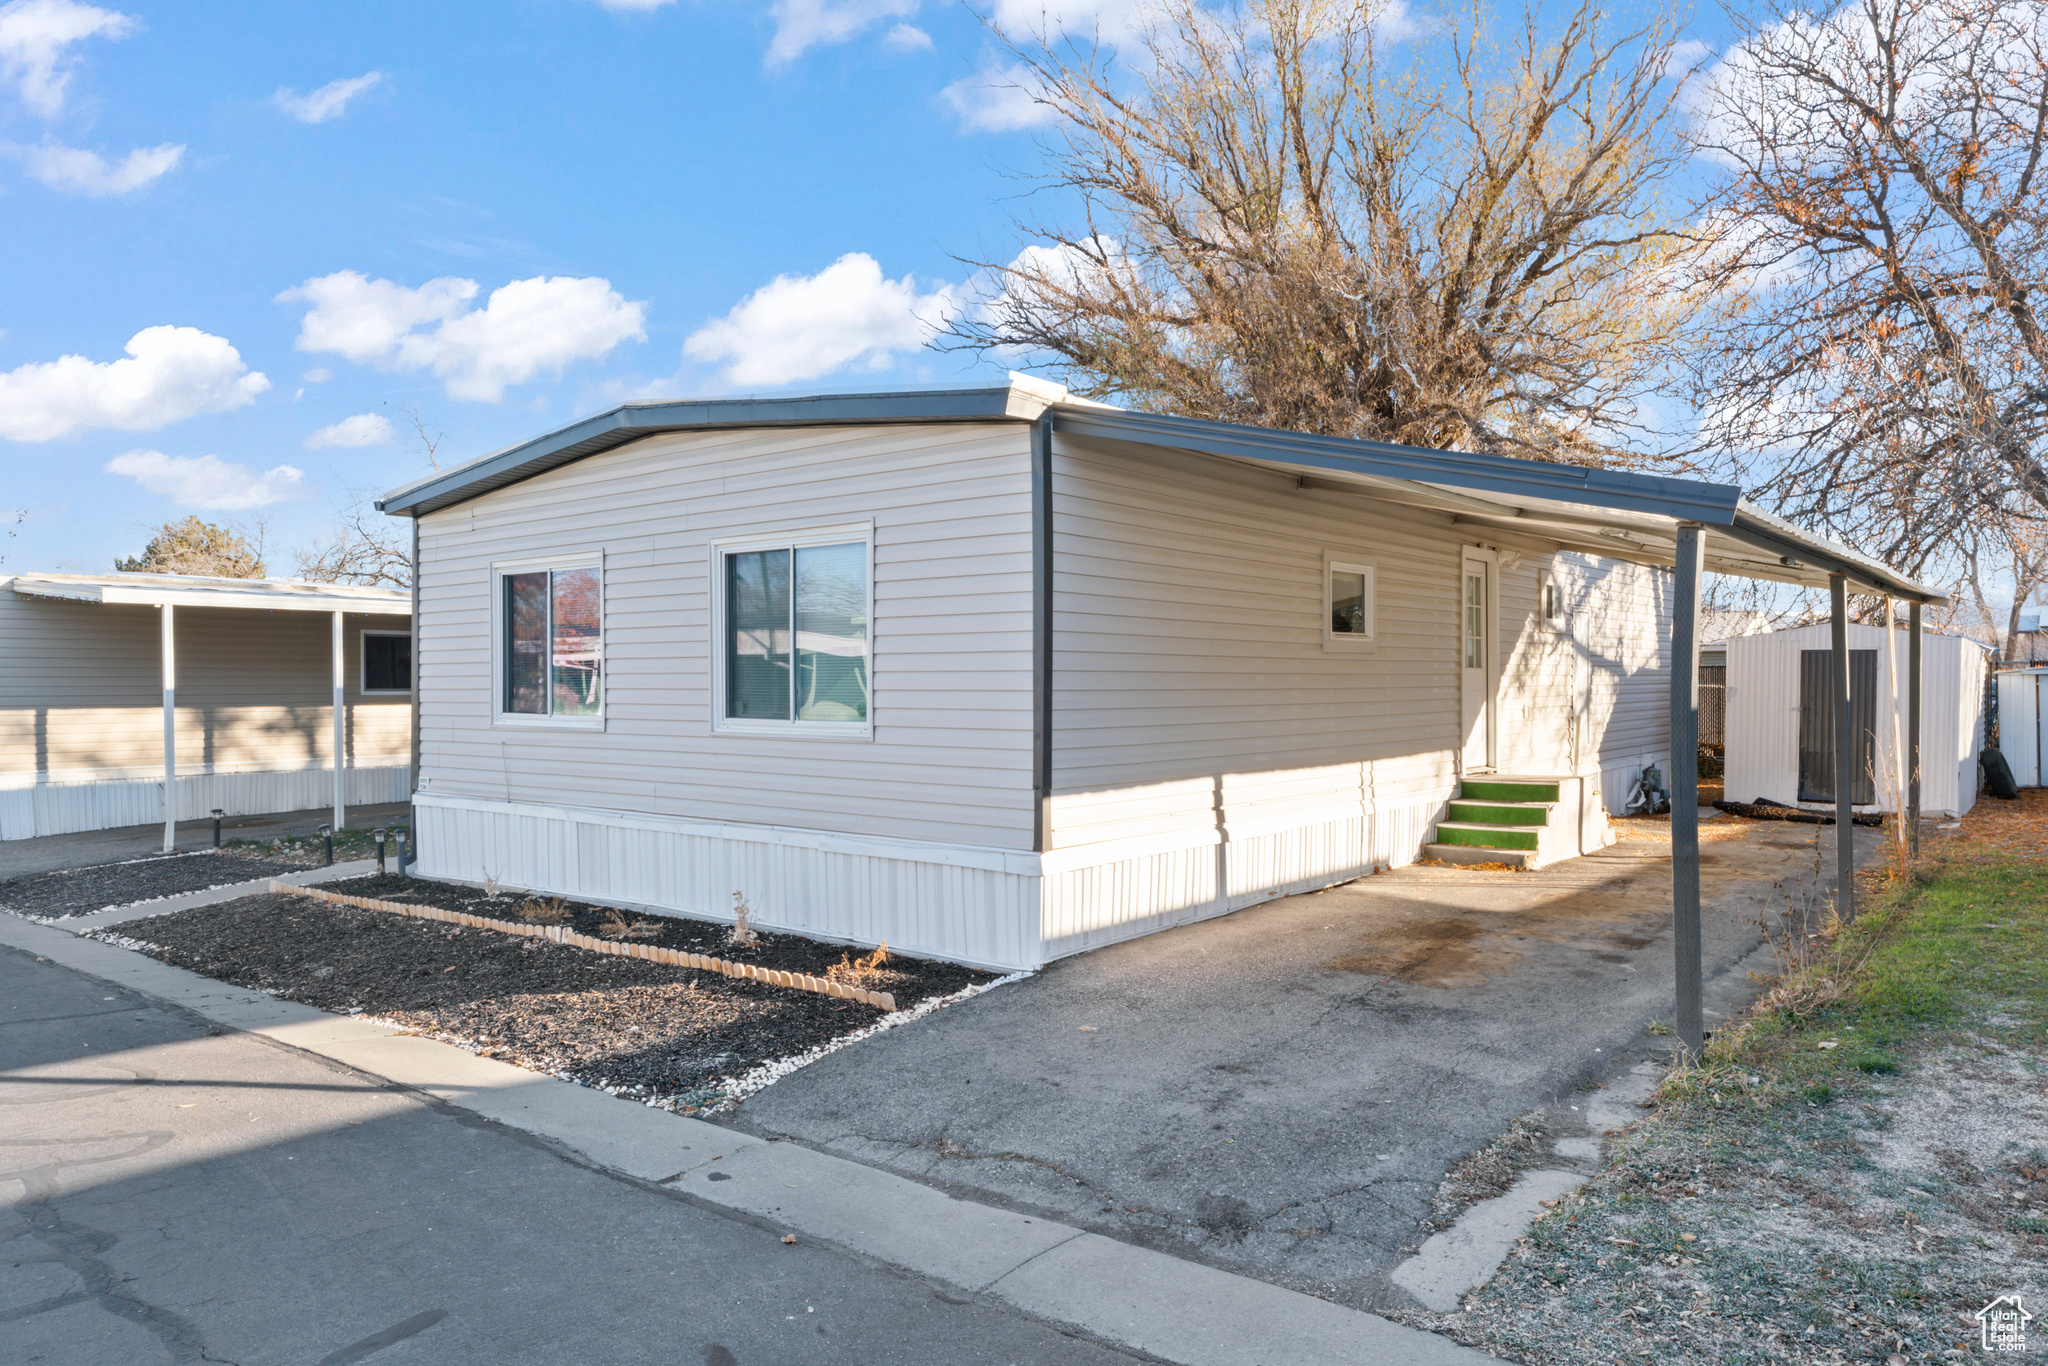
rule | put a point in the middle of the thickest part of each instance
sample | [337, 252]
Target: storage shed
[2022, 699]
[1780, 727]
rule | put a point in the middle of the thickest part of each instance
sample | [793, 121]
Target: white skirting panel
[945, 901]
[1113, 896]
[990, 907]
[66, 808]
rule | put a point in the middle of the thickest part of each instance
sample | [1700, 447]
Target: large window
[387, 662]
[796, 636]
[553, 645]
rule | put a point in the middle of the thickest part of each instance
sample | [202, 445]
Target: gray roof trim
[1754, 526]
[632, 421]
[1501, 475]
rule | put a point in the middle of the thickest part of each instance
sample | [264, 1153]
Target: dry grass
[537, 912]
[867, 973]
[616, 926]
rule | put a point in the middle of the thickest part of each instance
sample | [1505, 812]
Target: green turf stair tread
[1472, 812]
[1487, 836]
[1508, 789]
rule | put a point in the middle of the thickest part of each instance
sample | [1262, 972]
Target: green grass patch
[1961, 944]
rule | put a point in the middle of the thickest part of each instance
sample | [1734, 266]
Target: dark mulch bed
[921, 977]
[636, 1028]
[81, 891]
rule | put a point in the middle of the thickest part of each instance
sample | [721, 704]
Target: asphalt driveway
[1280, 1091]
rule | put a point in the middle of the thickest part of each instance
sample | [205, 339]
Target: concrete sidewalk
[1107, 1290]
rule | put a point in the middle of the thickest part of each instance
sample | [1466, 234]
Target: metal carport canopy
[1609, 512]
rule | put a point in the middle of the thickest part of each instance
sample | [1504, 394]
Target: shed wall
[1762, 750]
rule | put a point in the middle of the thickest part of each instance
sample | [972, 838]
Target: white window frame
[1546, 581]
[529, 565]
[792, 729]
[1334, 563]
[363, 687]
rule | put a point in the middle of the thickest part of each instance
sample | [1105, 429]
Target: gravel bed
[668, 1035]
[921, 977]
[81, 891]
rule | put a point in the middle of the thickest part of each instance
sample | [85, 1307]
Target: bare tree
[365, 548]
[1876, 259]
[1275, 228]
[2003, 549]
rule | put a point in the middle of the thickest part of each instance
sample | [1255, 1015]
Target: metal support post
[1913, 730]
[1845, 753]
[340, 732]
[169, 669]
[1685, 787]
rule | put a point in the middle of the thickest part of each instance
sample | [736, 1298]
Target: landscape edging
[799, 981]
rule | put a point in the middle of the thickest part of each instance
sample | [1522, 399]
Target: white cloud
[171, 373]
[804, 24]
[997, 99]
[82, 172]
[907, 38]
[1686, 55]
[1114, 22]
[328, 101]
[364, 429]
[798, 327]
[319, 374]
[525, 327]
[207, 481]
[34, 38]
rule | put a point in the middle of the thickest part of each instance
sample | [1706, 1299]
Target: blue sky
[300, 217]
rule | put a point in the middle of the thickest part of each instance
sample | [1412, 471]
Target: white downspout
[169, 668]
[340, 738]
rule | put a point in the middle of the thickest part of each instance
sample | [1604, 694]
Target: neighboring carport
[169, 592]
[1687, 525]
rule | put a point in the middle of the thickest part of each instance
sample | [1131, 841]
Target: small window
[1549, 601]
[553, 643]
[387, 662]
[796, 636]
[1348, 607]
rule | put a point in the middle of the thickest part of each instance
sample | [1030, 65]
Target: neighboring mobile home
[1780, 727]
[245, 671]
[999, 676]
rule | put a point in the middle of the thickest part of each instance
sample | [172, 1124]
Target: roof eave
[632, 421]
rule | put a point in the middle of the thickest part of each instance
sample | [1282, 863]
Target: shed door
[1817, 725]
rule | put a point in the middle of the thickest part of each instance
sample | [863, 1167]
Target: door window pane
[576, 654]
[831, 618]
[1347, 603]
[757, 608]
[526, 630]
[1475, 621]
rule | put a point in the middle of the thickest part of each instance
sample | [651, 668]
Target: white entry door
[1476, 618]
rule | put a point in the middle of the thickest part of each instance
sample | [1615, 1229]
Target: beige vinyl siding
[1193, 689]
[1617, 648]
[81, 699]
[950, 757]
[1191, 683]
